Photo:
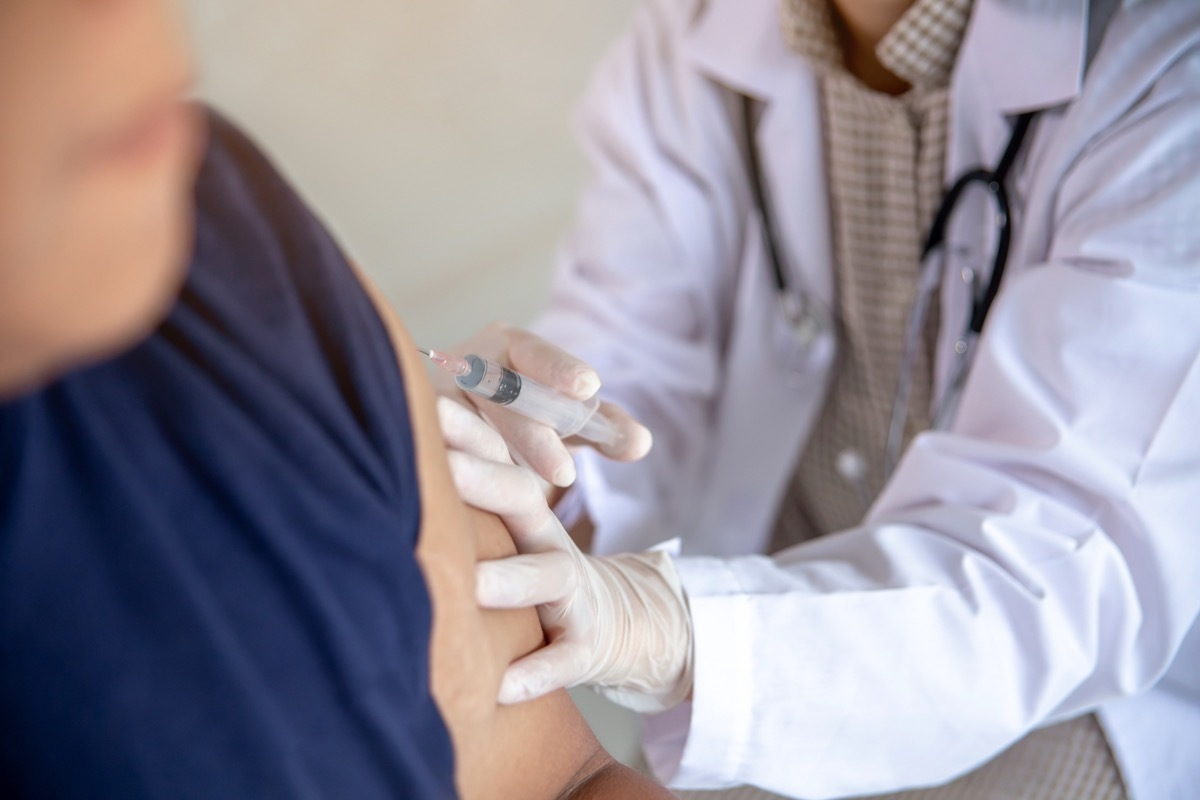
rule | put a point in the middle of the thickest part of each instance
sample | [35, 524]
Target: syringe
[498, 384]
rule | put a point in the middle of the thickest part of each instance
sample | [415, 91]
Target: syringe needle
[452, 364]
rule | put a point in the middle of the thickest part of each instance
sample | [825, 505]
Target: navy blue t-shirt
[208, 586]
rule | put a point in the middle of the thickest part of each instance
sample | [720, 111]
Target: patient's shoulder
[536, 750]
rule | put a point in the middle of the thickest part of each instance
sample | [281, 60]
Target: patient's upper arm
[536, 750]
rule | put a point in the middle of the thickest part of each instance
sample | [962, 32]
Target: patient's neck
[862, 24]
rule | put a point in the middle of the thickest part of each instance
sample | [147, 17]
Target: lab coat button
[960, 347]
[968, 276]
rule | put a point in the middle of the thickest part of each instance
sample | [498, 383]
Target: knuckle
[496, 328]
[558, 577]
[572, 579]
[529, 491]
[545, 441]
[493, 445]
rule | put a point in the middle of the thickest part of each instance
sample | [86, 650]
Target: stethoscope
[810, 321]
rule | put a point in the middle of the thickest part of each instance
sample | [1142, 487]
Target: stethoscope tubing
[794, 304]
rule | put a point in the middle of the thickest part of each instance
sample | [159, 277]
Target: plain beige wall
[431, 135]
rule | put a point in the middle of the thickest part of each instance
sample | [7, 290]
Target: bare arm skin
[537, 750]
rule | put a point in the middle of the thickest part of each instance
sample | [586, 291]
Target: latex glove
[532, 443]
[618, 623]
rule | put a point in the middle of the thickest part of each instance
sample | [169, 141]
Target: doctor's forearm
[895, 636]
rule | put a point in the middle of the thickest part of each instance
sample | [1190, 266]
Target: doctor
[752, 274]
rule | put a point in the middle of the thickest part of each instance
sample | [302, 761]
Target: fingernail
[565, 475]
[485, 586]
[644, 442]
[585, 383]
[512, 692]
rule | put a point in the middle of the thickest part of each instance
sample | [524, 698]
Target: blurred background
[432, 137]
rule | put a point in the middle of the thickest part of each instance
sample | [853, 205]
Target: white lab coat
[1039, 559]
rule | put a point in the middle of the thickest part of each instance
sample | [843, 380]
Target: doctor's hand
[532, 443]
[620, 624]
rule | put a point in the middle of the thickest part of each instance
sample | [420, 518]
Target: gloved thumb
[559, 665]
[524, 581]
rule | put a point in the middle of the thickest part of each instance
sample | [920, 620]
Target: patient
[232, 563]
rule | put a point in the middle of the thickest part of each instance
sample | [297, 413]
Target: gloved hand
[534, 444]
[619, 623]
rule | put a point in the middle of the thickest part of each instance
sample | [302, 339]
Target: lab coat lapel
[741, 46]
[1033, 51]
[1016, 56]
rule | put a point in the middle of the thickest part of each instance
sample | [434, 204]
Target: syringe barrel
[490, 380]
[531, 399]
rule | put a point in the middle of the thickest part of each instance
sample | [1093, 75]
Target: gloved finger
[633, 442]
[504, 489]
[463, 429]
[532, 355]
[512, 492]
[536, 445]
[526, 581]
[559, 665]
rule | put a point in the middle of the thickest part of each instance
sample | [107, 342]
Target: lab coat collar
[741, 45]
[1031, 51]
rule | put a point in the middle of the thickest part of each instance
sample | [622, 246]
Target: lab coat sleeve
[639, 285]
[1035, 561]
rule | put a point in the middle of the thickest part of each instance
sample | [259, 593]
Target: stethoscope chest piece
[804, 336]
